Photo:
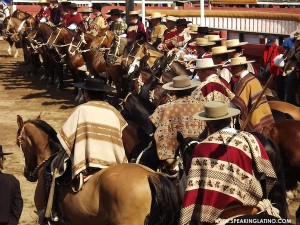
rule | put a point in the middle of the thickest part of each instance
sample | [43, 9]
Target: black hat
[181, 22]
[94, 84]
[72, 5]
[202, 30]
[97, 6]
[2, 153]
[115, 12]
[271, 39]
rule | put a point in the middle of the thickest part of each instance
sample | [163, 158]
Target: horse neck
[178, 69]
[46, 31]
[39, 141]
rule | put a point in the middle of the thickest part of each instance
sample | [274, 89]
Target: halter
[32, 174]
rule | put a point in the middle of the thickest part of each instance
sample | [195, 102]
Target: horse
[287, 108]
[127, 194]
[60, 40]
[116, 49]
[278, 193]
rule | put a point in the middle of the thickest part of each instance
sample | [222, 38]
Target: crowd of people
[222, 101]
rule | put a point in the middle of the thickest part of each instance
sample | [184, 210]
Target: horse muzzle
[31, 177]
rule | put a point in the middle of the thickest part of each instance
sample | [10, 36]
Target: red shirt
[43, 13]
[77, 18]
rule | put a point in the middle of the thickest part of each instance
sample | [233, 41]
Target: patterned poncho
[213, 89]
[172, 117]
[246, 93]
[92, 136]
[221, 175]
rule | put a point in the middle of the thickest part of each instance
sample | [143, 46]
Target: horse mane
[278, 192]
[44, 126]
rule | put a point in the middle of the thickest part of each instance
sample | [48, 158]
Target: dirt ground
[28, 96]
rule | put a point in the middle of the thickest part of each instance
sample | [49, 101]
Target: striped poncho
[246, 93]
[92, 136]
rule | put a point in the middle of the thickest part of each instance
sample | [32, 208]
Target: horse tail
[165, 204]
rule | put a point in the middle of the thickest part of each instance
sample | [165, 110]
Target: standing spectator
[118, 26]
[136, 28]
[44, 14]
[11, 202]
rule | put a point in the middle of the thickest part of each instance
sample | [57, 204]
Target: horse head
[38, 141]
[116, 49]
[134, 49]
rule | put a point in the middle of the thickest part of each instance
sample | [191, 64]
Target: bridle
[132, 56]
[116, 51]
[32, 175]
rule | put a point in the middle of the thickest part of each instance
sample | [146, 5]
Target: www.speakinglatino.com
[245, 221]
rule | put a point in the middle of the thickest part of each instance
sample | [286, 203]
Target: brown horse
[127, 194]
[287, 108]
[60, 40]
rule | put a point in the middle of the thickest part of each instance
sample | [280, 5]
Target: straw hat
[85, 10]
[213, 37]
[295, 34]
[238, 61]
[202, 42]
[44, 1]
[155, 15]
[215, 110]
[193, 29]
[171, 18]
[204, 64]
[234, 43]
[181, 83]
[220, 50]
[134, 12]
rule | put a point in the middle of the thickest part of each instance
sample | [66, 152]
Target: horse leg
[9, 48]
[60, 73]
[16, 53]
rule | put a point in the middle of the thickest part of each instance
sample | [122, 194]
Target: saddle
[239, 210]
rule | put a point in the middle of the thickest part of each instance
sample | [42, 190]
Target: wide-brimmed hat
[180, 22]
[155, 15]
[202, 42]
[234, 43]
[219, 50]
[65, 2]
[237, 61]
[134, 12]
[172, 18]
[202, 30]
[213, 37]
[44, 2]
[115, 12]
[96, 6]
[216, 110]
[193, 29]
[73, 6]
[181, 83]
[85, 10]
[204, 63]
[94, 84]
[270, 40]
[4, 153]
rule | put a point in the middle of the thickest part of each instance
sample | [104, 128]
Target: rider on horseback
[226, 170]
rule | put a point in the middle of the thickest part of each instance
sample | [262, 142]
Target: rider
[170, 35]
[44, 14]
[203, 47]
[118, 26]
[136, 28]
[56, 12]
[225, 172]
[247, 90]
[92, 135]
[86, 15]
[176, 116]
[158, 29]
[211, 88]
[98, 22]
[74, 18]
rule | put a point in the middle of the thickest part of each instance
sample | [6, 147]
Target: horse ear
[20, 121]
[39, 116]
[179, 137]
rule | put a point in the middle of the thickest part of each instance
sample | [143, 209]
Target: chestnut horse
[60, 40]
[124, 194]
